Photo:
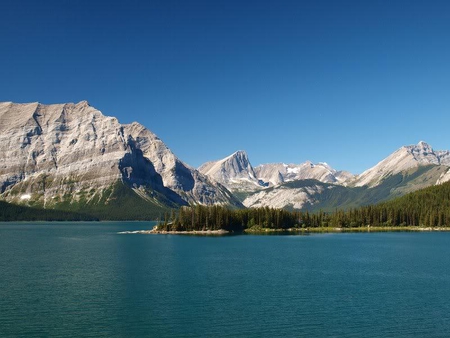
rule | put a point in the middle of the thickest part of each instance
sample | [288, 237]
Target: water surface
[85, 279]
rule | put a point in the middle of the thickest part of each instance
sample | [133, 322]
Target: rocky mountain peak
[403, 159]
[58, 151]
[421, 147]
[241, 155]
[424, 145]
[240, 162]
[423, 153]
[82, 104]
[234, 171]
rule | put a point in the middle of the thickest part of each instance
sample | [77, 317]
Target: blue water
[86, 280]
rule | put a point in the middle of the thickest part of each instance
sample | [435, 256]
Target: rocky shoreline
[338, 230]
[291, 230]
[164, 232]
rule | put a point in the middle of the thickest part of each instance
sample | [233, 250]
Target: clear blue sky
[344, 82]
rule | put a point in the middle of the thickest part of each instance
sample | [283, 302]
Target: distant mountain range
[318, 186]
[72, 157]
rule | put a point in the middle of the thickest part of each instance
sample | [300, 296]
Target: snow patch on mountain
[277, 173]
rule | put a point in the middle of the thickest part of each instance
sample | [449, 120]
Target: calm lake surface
[86, 280]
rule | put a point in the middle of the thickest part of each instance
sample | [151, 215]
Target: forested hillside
[118, 203]
[11, 212]
[429, 207]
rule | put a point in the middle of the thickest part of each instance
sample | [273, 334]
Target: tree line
[11, 212]
[428, 207]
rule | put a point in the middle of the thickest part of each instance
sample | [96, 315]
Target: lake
[86, 280]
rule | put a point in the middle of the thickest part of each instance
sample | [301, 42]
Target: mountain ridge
[72, 152]
[72, 155]
[402, 159]
[298, 186]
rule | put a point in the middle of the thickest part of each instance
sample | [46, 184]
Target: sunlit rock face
[51, 151]
[277, 173]
[234, 171]
[237, 173]
[404, 159]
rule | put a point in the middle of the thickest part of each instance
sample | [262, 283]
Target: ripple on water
[76, 280]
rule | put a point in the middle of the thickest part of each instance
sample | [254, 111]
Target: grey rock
[51, 151]
[235, 172]
[402, 160]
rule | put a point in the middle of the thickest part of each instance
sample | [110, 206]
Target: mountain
[277, 173]
[314, 195]
[404, 159]
[72, 156]
[318, 186]
[235, 172]
[408, 169]
[189, 183]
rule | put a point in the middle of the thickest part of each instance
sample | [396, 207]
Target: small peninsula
[424, 210]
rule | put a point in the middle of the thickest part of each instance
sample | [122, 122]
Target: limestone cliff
[57, 153]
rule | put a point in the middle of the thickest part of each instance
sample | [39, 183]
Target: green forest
[428, 207]
[11, 212]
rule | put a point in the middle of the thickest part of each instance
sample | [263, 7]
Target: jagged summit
[83, 103]
[403, 159]
[239, 153]
[423, 153]
[234, 171]
[423, 144]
